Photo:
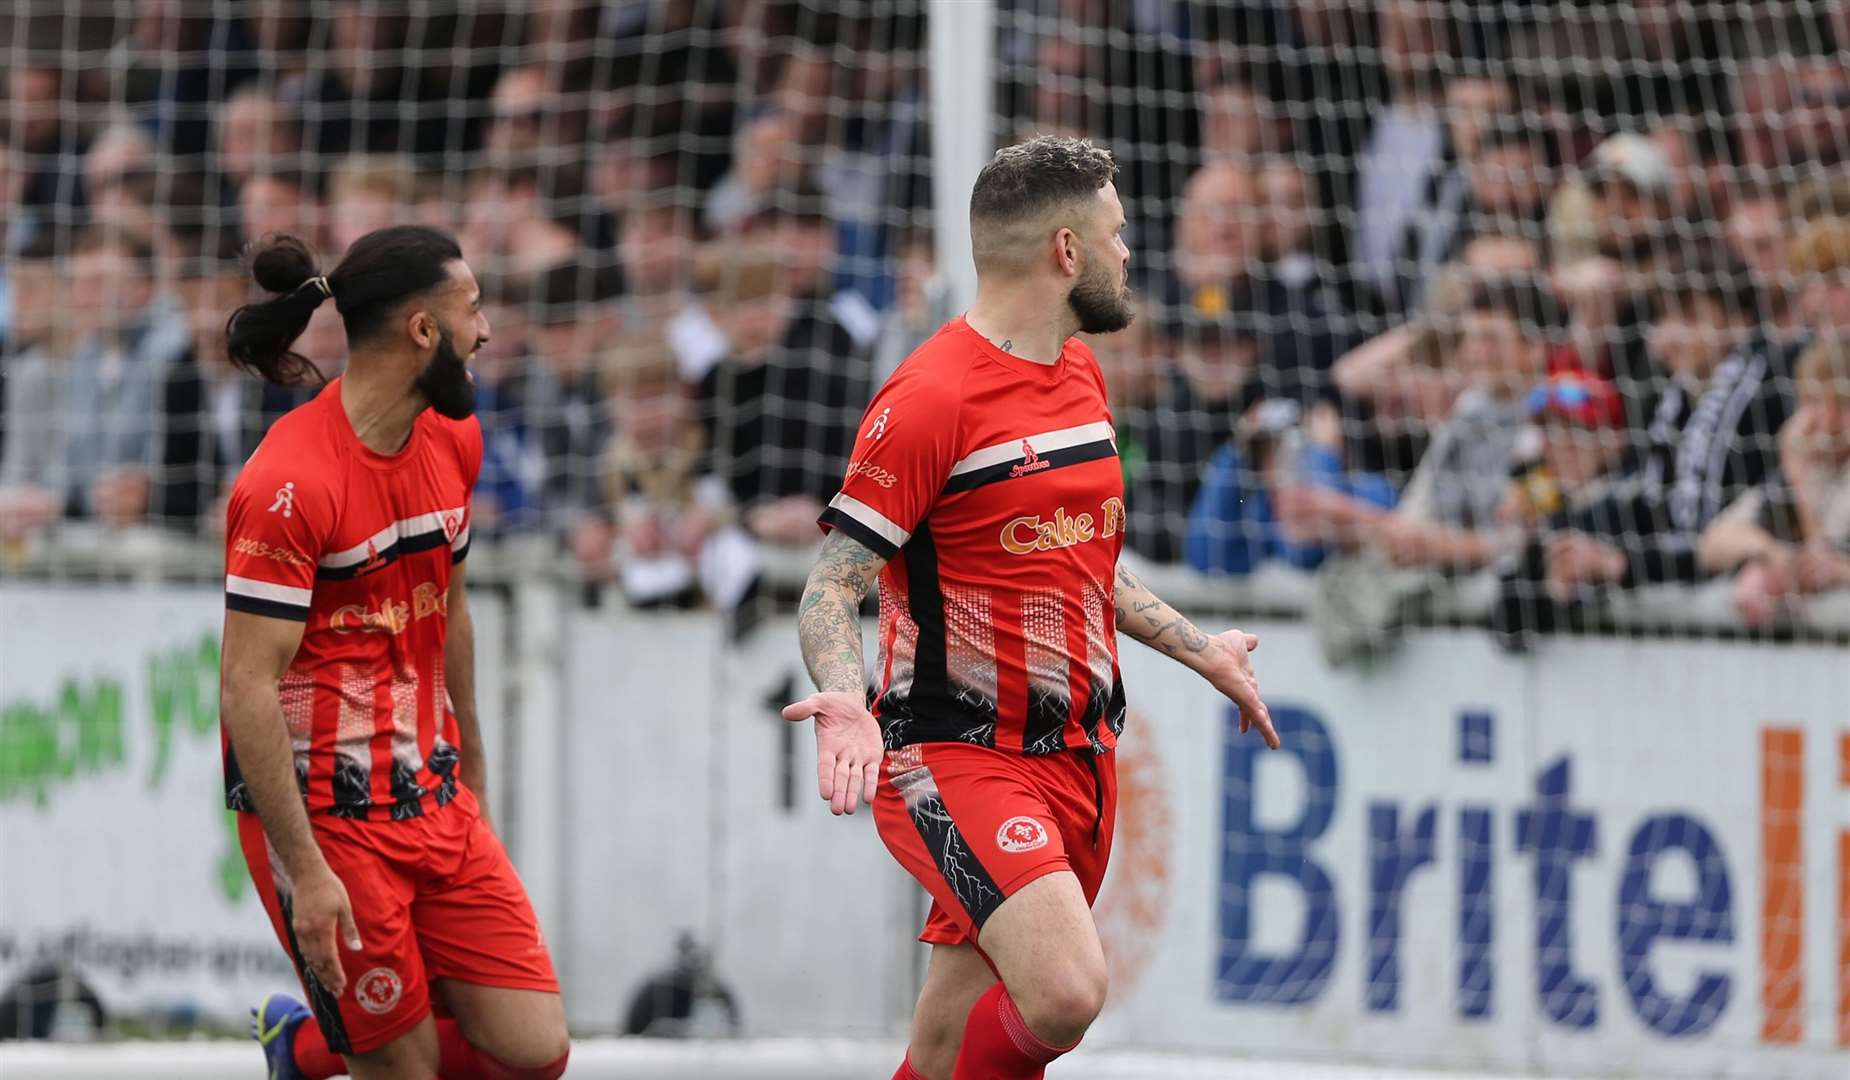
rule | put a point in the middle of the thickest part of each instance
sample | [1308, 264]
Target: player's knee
[933, 1049]
[1061, 1009]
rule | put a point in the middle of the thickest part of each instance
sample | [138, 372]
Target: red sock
[312, 1056]
[998, 1045]
[458, 1059]
[906, 1071]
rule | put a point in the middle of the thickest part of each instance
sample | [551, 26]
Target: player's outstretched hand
[1229, 667]
[848, 747]
[322, 913]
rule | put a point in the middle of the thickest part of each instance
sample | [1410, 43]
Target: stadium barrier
[1610, 856]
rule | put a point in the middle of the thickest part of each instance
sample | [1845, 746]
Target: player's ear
[422, 328]
[1066, 250]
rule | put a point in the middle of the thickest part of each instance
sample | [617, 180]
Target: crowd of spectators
[1556, 292]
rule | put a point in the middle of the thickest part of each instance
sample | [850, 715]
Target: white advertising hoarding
[116, 850]
[1461, 858]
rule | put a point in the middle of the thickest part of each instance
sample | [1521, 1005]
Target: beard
[445, 381]
[1100, 303]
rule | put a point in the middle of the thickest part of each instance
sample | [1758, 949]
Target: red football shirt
[991, 484]
[359, 546]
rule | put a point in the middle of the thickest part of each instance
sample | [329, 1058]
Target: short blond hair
[737, 274]
[1822, 247]
[1825, 365]
[639, 365]
[385, 175]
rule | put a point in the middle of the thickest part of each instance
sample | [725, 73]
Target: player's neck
[381, 405]
[1000, 319]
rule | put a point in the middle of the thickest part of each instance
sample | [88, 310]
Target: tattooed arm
[1222, 658]
[848, 745]
[1144, 617]
[829, 617]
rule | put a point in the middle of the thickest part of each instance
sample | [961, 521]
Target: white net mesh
[1512, 319]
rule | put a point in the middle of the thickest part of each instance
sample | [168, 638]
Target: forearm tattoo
[829, 616]
[1145, 617]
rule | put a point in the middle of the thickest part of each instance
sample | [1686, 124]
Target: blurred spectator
[176, 59]
[211, 415]
[1406, 144]
[1500, 254]
[676, 534]
[508, 491]
[1473, 101]
[488, 218]
[280, 200]
[1259, 498]
[1448, 515]
[1303, 52]
[1790, 536]
[1607, 321]
[921, 305]
[255, 133]
[1633, 184]
[844, 125]
[639, 168]
[1581, 420]
[779, 147]
[281, 32]
[549, 209]
[803, 236]
[1754, 232]
[1173, 403]
[105, 438]
[574, 316]
[1399, 385]
[518, 124]
[1579, 428]
[50, 143]
[132, 192]
[1238, 123]
[1285, 228]
[1303, 325]
[1218, 239]
[782, 407]
[36, 367]
[538, 117]
[381, 86]
[120, 149]
[1499, 188]
[1711, 437]
[367, 192]
[1820, 257]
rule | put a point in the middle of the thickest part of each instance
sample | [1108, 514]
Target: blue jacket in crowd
[1232, 529]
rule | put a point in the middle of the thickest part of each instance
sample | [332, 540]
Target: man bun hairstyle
[381, 270]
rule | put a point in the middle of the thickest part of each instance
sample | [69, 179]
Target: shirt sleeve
[902, 456]
[276, 526]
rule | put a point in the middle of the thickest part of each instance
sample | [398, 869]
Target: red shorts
[974, 825]
[434, 897]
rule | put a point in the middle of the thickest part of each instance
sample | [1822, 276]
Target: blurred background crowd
[1549, 294]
